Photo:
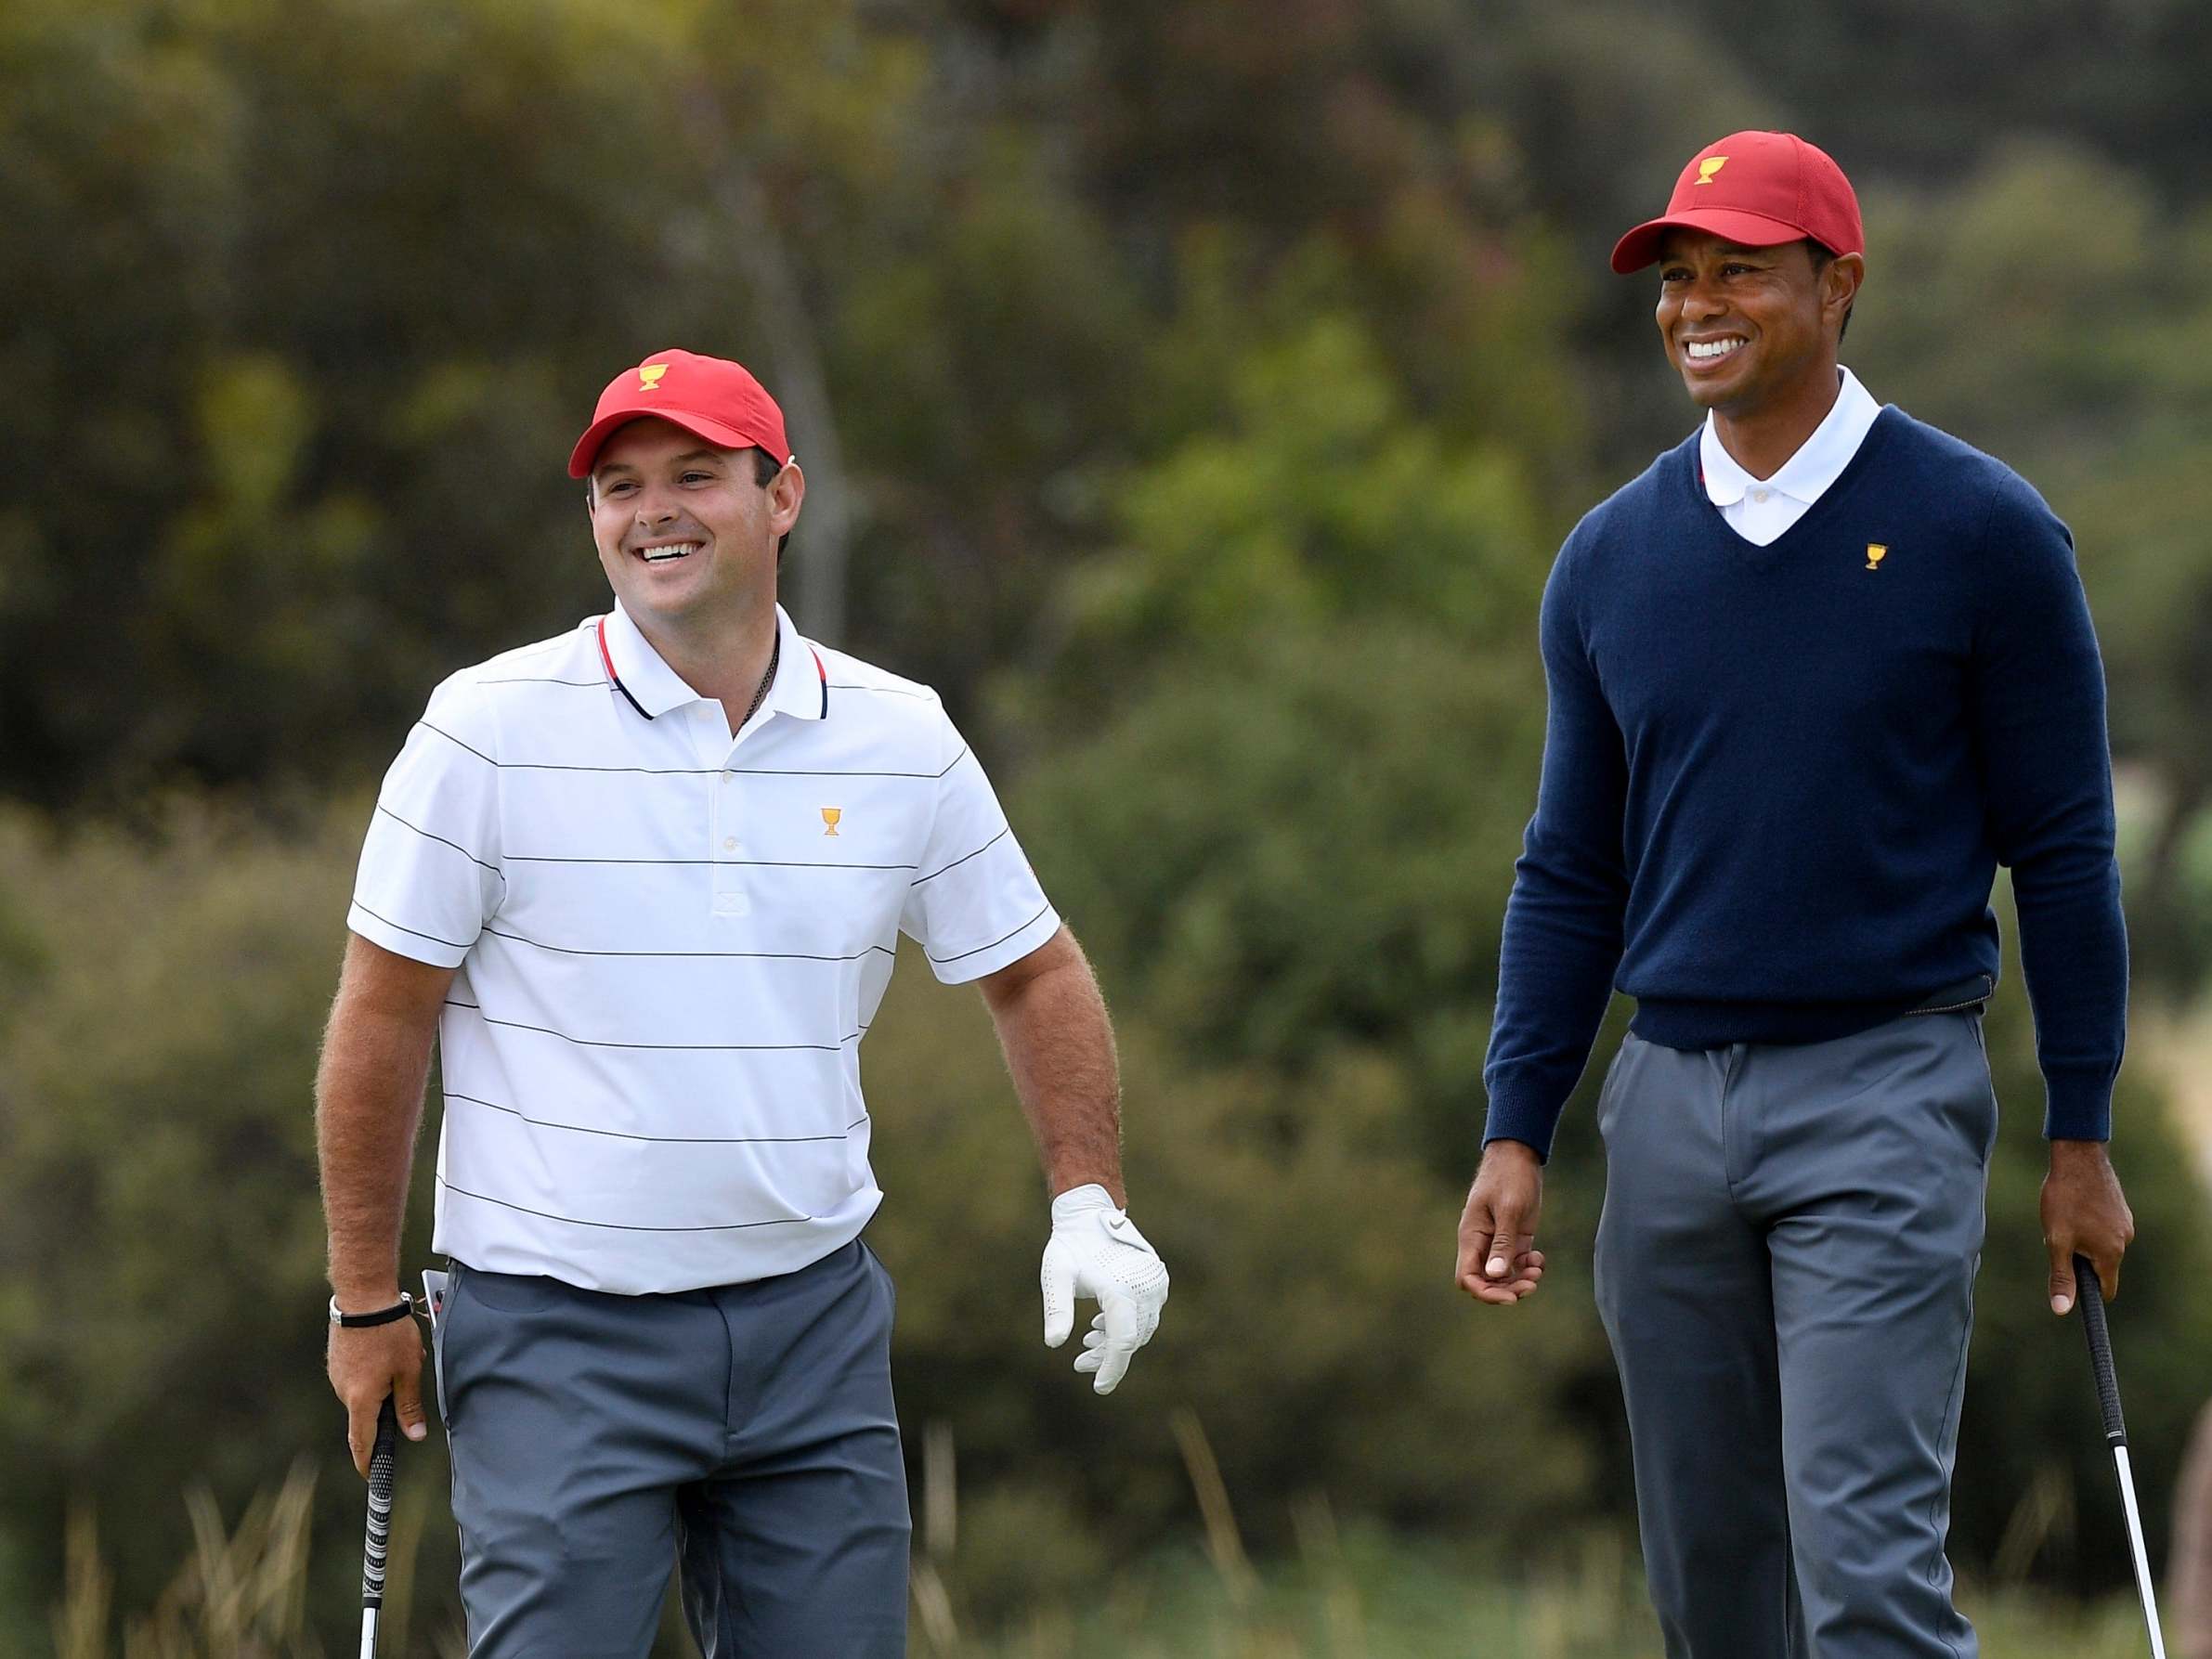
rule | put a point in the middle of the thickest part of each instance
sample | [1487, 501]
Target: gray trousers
[746, 1430]
[1785, 1266]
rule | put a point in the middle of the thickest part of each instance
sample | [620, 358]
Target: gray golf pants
[748, 1429]
[1786, 1267]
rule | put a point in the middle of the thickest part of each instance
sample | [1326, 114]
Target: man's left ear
[787, 493]
[1841, 277]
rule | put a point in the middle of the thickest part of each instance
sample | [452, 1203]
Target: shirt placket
[727, 894]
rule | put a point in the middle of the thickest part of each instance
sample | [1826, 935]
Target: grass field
[1363, 1594]
[1375, 1598]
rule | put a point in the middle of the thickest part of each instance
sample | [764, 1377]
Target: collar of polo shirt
[800, 689]
[1818, 462]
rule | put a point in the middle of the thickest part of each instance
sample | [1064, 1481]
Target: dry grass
[241, 1594]
[1349, 1593]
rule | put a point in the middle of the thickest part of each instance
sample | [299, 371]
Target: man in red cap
[1812, 676]
[643, 882]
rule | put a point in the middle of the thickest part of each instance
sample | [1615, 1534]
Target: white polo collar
[1818, 462]
[801, 688]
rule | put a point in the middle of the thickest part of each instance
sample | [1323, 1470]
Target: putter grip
[380, 1506]
[2091, 1296]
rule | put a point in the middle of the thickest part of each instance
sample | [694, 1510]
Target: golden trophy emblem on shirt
[1876, 553]
[830, 816]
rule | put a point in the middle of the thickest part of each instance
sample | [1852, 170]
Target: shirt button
[1760, 495]
[729, 843]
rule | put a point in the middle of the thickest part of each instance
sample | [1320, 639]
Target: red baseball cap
[1754, 189]
[713, 396]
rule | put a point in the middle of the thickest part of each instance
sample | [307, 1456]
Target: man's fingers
[1506, 1241]
[1526, 1275]
[1107, 1348]
[2108, 1272]
[2061, 1279]
[360, 1431]
[407, 1403]
[1058, 1277]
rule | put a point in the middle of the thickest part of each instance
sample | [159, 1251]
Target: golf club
[2091, 1297]
[380, 1526]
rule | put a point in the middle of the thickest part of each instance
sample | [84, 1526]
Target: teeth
[657, 555]
[1705, 350]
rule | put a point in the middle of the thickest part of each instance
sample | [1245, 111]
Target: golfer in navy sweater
[1814, 676]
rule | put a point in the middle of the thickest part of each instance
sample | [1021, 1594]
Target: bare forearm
[369, 1104]
[1059, 1046]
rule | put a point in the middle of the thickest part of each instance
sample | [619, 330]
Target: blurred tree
[1212, 383]
[158, 1224]
[2105, 405]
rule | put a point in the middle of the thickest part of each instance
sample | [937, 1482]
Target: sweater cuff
[2077, 1105]
[1515, 1117]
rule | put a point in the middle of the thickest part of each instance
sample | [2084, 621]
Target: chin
[1704, 395]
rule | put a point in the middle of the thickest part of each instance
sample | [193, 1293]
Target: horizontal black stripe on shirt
[434, 939]
[618, 1226]
[428, 836]
[548, 858]
[599, 680]
[978, 853]
[765, 955]
[672, 1047]
[685, 1140]
[693, 772]
[1001, 939]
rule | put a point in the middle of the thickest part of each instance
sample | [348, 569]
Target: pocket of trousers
[1988, 1090]
[438, 1338]
[1608, 1093]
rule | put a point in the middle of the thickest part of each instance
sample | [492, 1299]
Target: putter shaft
[2090, 1295]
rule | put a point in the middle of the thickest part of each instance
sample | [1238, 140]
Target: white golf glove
[1095, 1250]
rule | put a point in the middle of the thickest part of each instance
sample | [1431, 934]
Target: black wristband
[399, 1310]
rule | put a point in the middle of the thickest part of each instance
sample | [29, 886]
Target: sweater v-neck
[1812, 520]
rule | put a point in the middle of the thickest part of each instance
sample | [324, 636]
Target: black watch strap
[399, 1310]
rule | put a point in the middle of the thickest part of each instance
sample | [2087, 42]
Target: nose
[1703, 300]
[654, 507]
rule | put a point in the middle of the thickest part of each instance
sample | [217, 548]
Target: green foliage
[1320, 497]
[1313, 1328]
[2030, 1410]
[1267, 851]
[158, 1207]
[1213, 382]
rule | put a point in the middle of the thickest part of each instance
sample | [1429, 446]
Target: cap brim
[721, 433]
[1641, 246]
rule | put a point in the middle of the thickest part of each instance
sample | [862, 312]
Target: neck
[1761, 440]
[725, 658]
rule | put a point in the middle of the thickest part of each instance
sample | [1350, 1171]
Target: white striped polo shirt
[671, 943]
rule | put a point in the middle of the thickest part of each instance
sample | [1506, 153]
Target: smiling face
[1753, 328]
[686, 532]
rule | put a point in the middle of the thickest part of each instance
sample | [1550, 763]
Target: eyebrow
[1726, 248]
[688, 456]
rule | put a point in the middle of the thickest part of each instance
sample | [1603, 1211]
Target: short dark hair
[1824, 256]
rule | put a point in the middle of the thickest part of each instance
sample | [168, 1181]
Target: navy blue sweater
[1778, 781]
